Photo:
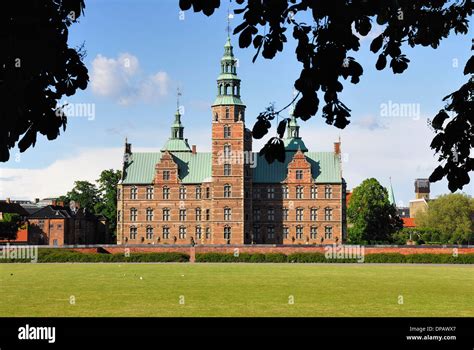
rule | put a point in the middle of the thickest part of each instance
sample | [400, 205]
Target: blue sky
[167, 50]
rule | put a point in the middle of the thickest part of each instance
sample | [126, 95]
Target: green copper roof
[293, 144]
[196, 168]
[391, 195]
[176, 145]
[325, 167]
[193, 168]
[227, 100]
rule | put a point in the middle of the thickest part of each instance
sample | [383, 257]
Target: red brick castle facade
[230, 195]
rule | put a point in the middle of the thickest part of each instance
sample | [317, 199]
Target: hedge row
[63, 255]
[320, 258]
[58, 256]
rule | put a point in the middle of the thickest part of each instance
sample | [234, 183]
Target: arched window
[133, 214]
[149, 232]
[227, 214]
[149, 214]
[227, 151]
[227, 190]
[166, 192]
[133, 232]
[227, 131]
[133, 192]
[227, 233]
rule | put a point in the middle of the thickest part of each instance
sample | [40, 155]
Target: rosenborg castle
[230, 195]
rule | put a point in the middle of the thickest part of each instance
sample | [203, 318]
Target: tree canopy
[324, 51]
[37, 68]
[452, 215]
[371, 216]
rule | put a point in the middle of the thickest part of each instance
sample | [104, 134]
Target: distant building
[9, 207]
[422, 197]
[58, 225]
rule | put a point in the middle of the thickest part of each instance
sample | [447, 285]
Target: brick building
[58, 225]
[230, 195]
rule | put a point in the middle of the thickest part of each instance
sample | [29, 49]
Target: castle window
[227, 131]
[119, 215]
[227, 151]
[227, 111]
[227, 170]
[133, 232]
[198, 214]
[271, 192]
[149, 232]
[314, 232]
[256, 233]
[286, 232]
[182, 215]
[198, 192]
[299, 192]
[133, 214]
[149, 192]
[328, 192]
[299, 214]
[166, 232]
[271, 214]
[256, 193]
[166, 192]
[119, 194]
[299, 232]
[133, 192]
[208, 192]
[182, 192]
[227, 214]
[227, 190]
[285, 193]
[314, 214]
[285, 214]
[149, 214]
[256, 214]
[314, 192]
[208, 232]
[271, 232]
[166, 214]
[198, 232]
[182, 232]
[227, 233]
[166, 175]
[328, 214]
[299, 174]
[328, 232]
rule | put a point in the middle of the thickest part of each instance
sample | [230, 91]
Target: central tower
[231, 145]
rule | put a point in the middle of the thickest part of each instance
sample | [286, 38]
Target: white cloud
[121, 79]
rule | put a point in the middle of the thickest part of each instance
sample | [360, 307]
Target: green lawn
[235, 290]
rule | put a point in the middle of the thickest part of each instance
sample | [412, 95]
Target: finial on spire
[178, 94]
[229, 17]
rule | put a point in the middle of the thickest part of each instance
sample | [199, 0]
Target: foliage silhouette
[323, 51]
[37, 68]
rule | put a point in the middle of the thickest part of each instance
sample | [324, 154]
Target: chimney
[194, 149]
[337, 148]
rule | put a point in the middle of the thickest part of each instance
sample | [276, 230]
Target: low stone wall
[117, 249]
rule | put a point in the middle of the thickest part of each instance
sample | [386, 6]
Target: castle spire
[228, 83]
[176, 142]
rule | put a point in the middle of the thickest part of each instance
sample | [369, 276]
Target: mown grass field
[235, 290]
